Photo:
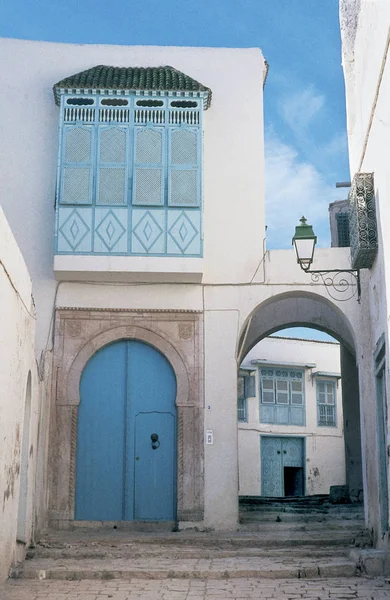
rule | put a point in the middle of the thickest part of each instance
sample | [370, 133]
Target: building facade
[128, 193]
[290, 418]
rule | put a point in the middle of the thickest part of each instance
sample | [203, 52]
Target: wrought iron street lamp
[340, 284]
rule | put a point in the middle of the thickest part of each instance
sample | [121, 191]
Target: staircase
[276, 538]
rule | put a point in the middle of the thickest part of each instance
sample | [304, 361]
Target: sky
[304, 108]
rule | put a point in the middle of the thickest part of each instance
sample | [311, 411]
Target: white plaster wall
[364, 31]
[17, 324]
[221, 467]
[324, 446]
[367, 96]
[233, 151]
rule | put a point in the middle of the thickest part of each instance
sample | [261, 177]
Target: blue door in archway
[126, 439]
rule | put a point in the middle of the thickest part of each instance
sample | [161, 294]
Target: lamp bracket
[340, 284]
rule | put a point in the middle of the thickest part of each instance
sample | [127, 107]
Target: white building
[290, 418]
[150, 282]
[365, 28]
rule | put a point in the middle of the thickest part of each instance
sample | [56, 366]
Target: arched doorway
[304, 309]
[126, 437]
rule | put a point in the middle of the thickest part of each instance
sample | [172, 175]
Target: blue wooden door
[127, 393]
[277, 454]
[271, 466]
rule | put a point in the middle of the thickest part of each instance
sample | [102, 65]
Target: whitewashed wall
[20, 407]
[233, 150]
[365, 29]
[325, 455]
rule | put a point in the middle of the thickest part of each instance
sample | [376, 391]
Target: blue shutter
[148, 182]
[250, 386]
[184, 167]
[77, 157]
[112, 166]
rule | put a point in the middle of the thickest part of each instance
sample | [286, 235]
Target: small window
[326, 403]
[242, 410]
[342, 221]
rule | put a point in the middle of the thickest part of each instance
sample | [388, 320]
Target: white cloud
[299, 109]
[294, 188]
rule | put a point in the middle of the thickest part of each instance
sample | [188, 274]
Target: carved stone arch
[142, 334]
[80, 333]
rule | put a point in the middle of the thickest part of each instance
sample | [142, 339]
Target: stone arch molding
[297, 309]
[79, 334]
[157, 340]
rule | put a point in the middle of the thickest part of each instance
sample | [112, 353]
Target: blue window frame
[282, 396]
[326, 403]
[246, 388]
[129, 176]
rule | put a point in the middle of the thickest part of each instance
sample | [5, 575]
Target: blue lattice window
[129, 175]
[282, 396]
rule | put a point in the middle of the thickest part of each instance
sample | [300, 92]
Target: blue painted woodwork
[282, 398]
[129, 179]
[277, 453]
[127, 392]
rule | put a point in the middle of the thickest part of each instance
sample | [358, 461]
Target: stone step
[131, 551]
[285, 517]
[283, 567]
[326, 509]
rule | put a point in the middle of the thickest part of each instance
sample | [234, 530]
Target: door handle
[155, 441]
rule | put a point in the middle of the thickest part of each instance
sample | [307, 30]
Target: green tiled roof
[148, 79]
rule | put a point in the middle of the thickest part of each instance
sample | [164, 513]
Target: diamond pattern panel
[149, 144]
[148, 230]
[76, 185]
[110, 231]
[184, 147]
[77, 144]
[112, 186]
[113, 145]
[74, 230]
[184, 232]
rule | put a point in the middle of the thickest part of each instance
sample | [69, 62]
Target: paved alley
[190, 589]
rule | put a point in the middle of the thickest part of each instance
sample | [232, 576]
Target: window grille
[282, 399]
[148, 186]
[242, 413]
[86, 115]
[342, 221]
[326, 403]
[117, 115]
[189, 117]
[149, 145]
[143, 116]
[112, 186]
[76, 186]
[77, 145]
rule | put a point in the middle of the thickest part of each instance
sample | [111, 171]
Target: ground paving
[206, 589]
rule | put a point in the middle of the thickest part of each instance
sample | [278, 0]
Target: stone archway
[177, 335]
[305, 309]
